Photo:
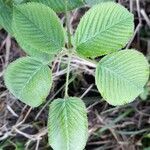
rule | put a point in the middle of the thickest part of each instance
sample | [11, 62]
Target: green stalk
[69, 45]
[68, 74]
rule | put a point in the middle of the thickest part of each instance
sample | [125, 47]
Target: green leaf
[67, 124]
[93, 2]
[60, 5]
[121, 76]
[12, 2]
[6, 17]
[38, 29]
[146, 92]
[37, 54]
[29, 80]
[18, 1]
[148, 148]
[105, 28]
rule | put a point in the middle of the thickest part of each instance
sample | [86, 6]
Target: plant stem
[67, 77]
[68, 25]
[69, 45]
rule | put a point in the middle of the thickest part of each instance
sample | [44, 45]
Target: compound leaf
[37, 29]
[105, 28]
[6, 17]
[60, 5]
[29, 80]
[121, 76]
[67, 125]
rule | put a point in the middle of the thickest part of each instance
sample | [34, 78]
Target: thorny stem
[69, 45]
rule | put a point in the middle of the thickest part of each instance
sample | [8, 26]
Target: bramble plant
[104, 30]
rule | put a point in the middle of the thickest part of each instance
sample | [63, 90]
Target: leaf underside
[67, 125]
[29, 80]
[60, 5]
[105, 28]
[121, 76]
[38, 30]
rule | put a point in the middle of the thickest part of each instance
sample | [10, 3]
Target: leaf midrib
[99, 33]
[45, 35]
[122, 77]
[66, 125]
[28, 81]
